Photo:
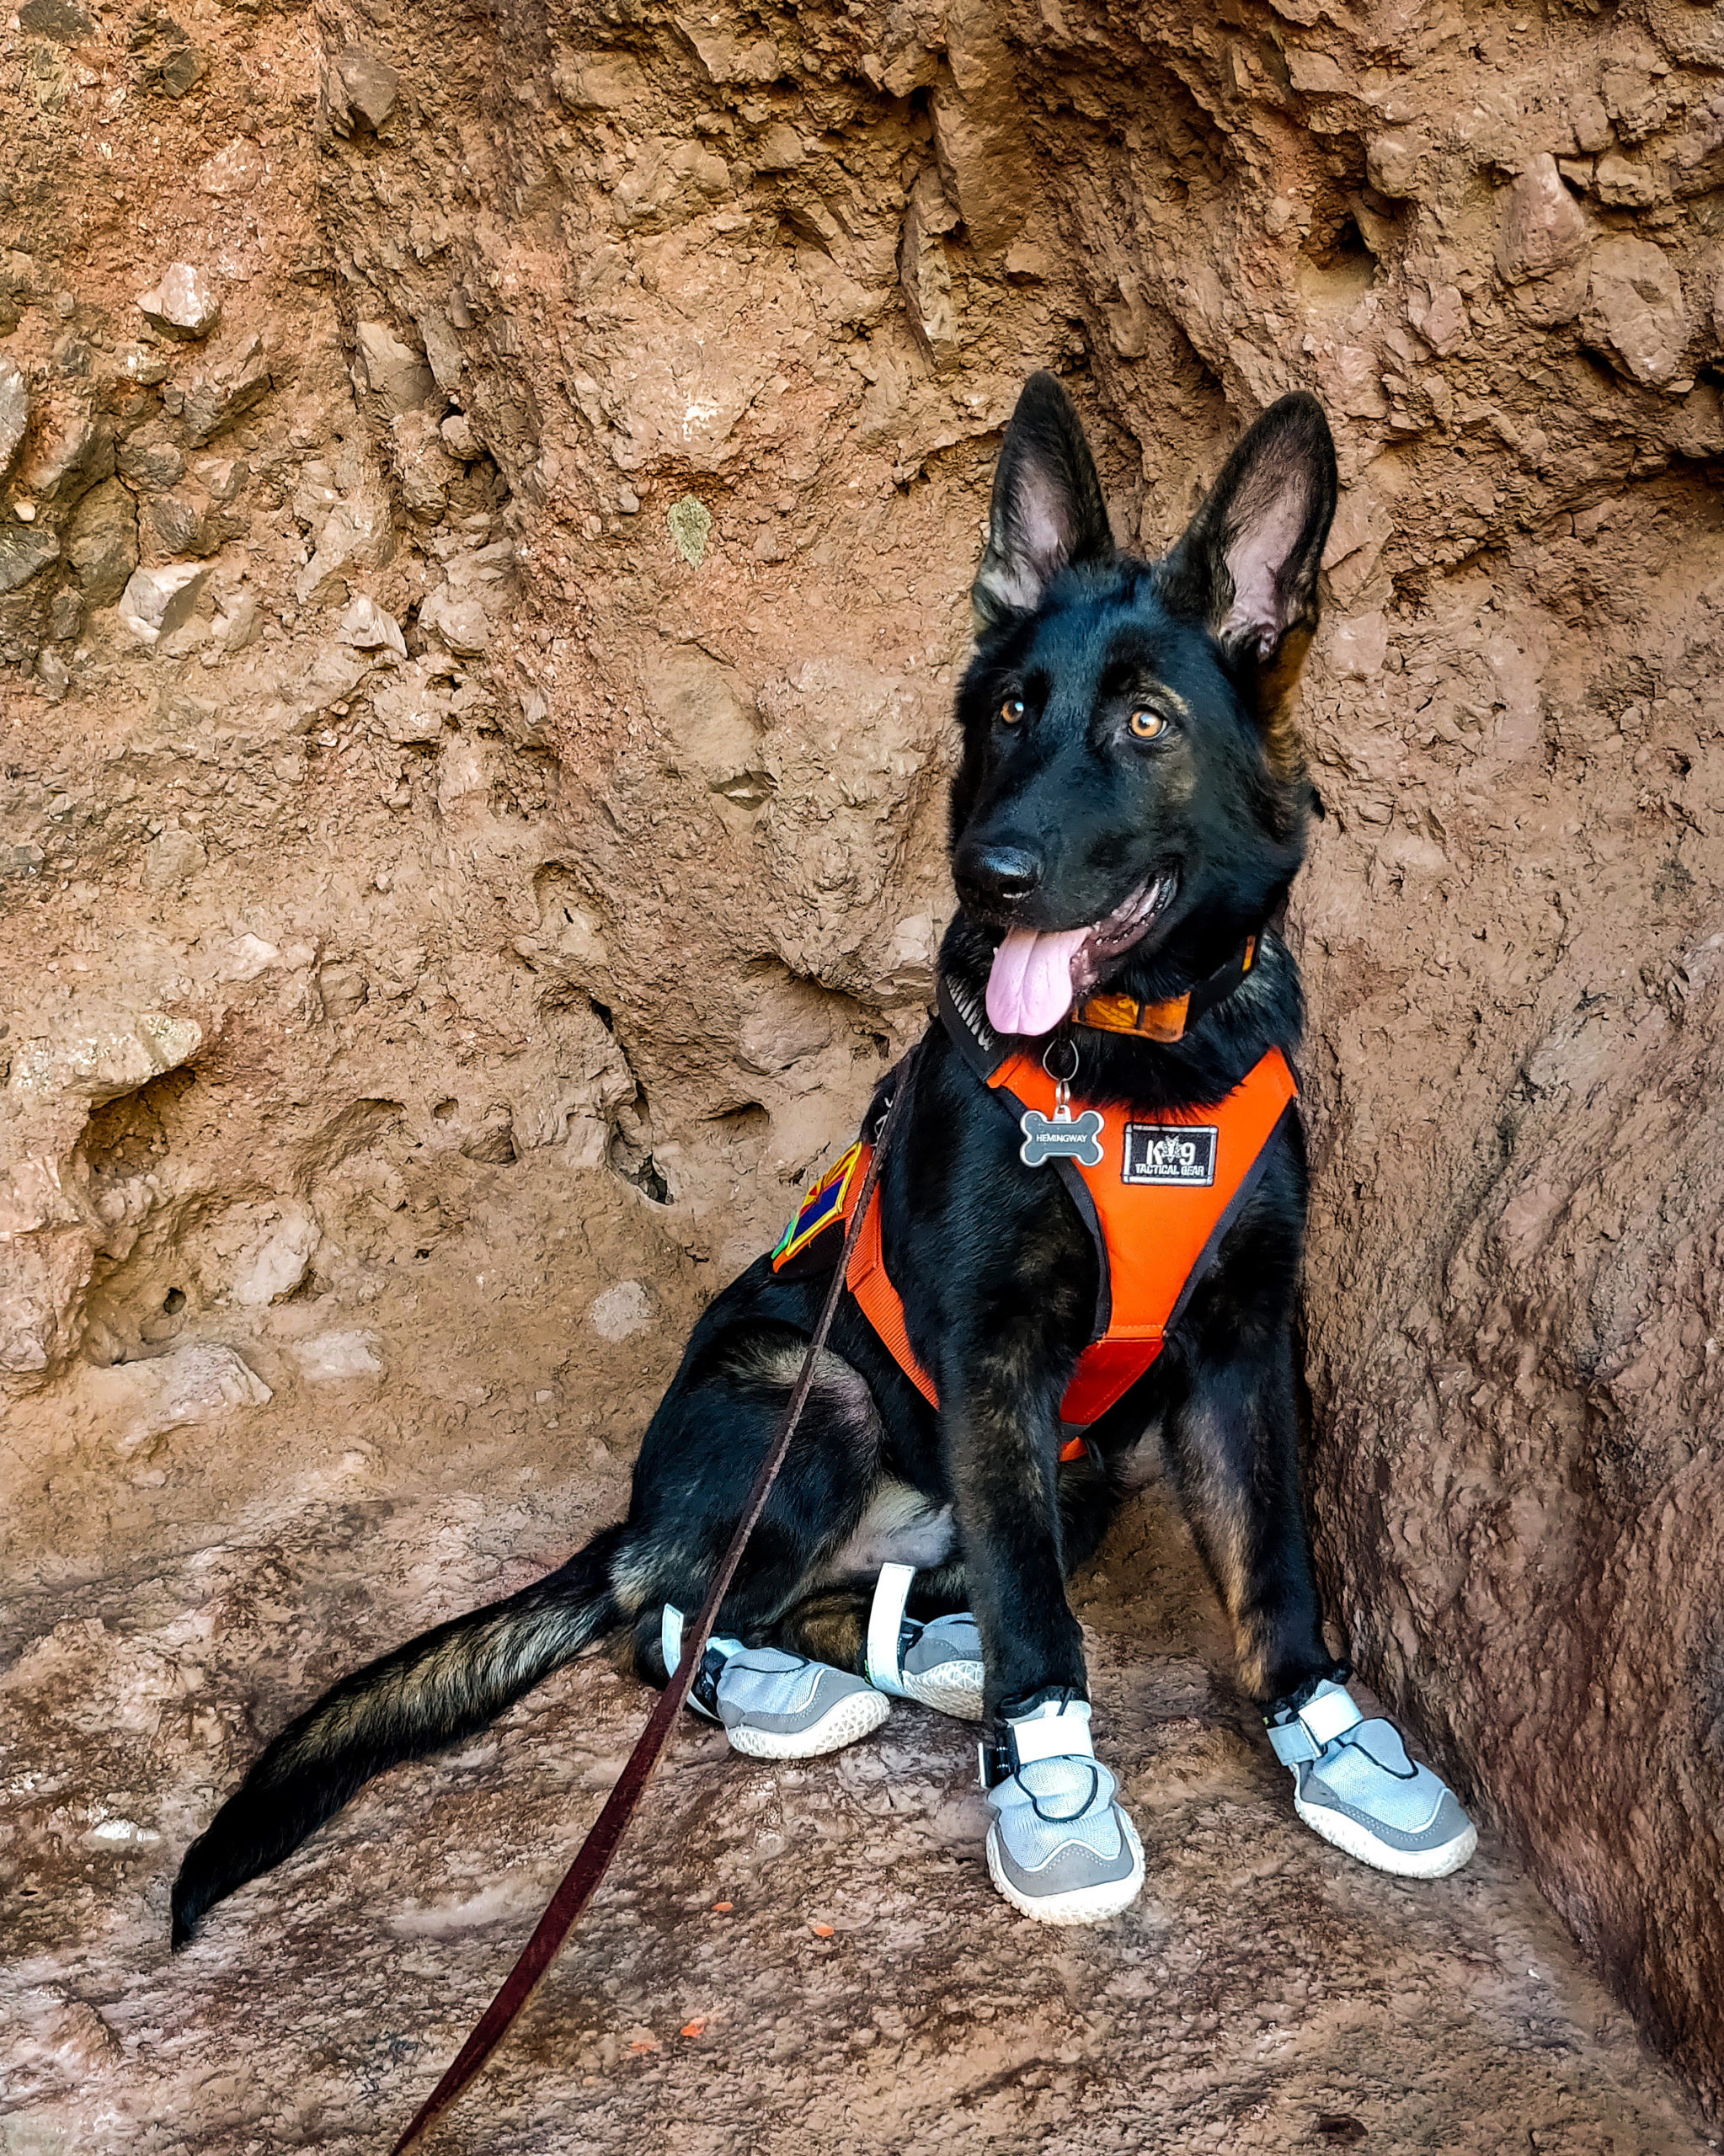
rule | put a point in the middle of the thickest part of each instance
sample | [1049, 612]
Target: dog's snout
[998, 875]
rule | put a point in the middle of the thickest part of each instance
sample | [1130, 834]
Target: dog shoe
[1061, 1848]
[774, 1706]
[938, 1664]
[1353, 1783]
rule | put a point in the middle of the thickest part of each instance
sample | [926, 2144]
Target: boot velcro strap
[1305, 1736]
[1064, 1736]
[884, 1668]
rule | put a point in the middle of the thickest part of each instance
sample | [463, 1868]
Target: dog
[1130, 806]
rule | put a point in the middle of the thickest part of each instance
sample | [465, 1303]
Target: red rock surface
[470, 803]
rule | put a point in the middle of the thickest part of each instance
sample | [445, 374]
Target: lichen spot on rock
[691, 522]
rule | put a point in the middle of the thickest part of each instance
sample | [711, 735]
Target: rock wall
[489, 501]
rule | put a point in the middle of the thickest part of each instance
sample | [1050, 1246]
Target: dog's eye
[1011, 711]
[1145, 723]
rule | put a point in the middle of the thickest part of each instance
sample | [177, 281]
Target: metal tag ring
[1068, 1047]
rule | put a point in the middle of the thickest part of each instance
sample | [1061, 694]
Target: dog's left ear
[1047, 511]
[1246, 566]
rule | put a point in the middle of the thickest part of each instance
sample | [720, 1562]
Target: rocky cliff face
[489, 501]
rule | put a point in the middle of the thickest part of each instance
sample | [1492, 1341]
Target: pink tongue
[1029, 989]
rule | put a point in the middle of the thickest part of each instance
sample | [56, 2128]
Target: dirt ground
[864, 1988]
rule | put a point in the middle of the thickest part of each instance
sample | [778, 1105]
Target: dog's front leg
[1234, 1437]
[1233, 1434]
[1060, 1849]
[1000, 1430]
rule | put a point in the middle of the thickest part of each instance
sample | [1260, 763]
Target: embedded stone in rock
[184, 304]
[460, 625]
[1540, 227]
[409, 709]
[707, 714]
[14, 413]
[272, 1264]
[141, 1400]
[398, 374]
[1440, 318]
[443, 353]
[235, 170]
[368, 88]
[924, 273]
[72, 449]
[24, 552]
[333, 1357]
[728, 58]
[172, 859]
[1635, 308]
[1626, 183]
[62, 20]
[1392, 160]
[342, 990]
[237, 378]
[238, 622]
[457, 433]
[356, 534]
[101, 542]
[781, 150]
[622, 1311]
[171, 64]
[978, 131]
[157, 601]
[1591, 124]
[367, 627]
[185, 522]
[598, 82]
[105, 1061]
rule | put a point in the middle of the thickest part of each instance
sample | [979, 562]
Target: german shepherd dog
[1130, 769]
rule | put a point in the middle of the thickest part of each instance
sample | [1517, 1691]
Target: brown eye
[1011, 711]
[1145, 724]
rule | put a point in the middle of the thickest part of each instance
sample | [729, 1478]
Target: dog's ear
[1047, 509]
[1246, 566]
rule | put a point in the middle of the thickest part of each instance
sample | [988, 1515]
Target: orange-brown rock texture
[489, 504]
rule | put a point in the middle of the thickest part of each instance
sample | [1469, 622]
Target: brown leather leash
[593, 1857]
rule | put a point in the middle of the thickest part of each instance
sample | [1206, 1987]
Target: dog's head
[1132, 799]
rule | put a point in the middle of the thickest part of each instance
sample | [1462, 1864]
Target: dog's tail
[435, 1690]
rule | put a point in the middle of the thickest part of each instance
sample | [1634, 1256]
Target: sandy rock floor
[1265, 1994]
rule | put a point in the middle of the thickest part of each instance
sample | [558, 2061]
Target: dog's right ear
[1047, 511]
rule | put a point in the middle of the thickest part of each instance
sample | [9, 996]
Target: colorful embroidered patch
[823, 1204]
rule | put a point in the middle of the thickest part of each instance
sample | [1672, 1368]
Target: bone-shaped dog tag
[1061, 1137]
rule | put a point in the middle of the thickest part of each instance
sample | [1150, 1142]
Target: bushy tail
[435, 1690]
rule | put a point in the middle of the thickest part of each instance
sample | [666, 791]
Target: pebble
[184, 304]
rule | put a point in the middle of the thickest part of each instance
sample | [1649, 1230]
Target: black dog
[1131, 771]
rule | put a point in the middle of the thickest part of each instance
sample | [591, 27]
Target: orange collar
[1165, 1021]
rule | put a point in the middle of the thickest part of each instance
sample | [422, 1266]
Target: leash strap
[593, 1857]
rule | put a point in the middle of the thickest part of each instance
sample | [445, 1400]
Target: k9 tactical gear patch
[1178, 1153]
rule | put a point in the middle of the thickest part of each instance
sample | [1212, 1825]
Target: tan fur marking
[1221, 1525]
[1277, 692]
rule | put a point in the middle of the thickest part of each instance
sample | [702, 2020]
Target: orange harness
[1157, 1204]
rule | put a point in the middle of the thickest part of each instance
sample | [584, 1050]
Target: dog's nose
[997, 875]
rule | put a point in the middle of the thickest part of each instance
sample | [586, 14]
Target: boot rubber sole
[1083, 1904]
[854, 1716]
[1357, 1841]
[955, 1687]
